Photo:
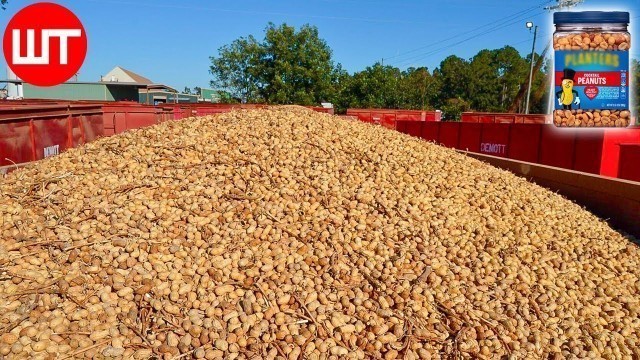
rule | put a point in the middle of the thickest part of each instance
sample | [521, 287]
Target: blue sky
[170, 41]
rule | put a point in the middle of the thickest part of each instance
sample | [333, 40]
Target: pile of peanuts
[592, 118]
[287, 234]
[597, 41]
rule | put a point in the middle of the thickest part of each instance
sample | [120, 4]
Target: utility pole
[424, 90]
[533, 53]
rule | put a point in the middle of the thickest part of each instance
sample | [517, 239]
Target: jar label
[592, 80]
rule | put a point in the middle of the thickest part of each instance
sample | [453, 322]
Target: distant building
[95, 91]
[119, 84]
[162, 94]
[148, 93]
[210, 95]
[218, 96]
[119, 74]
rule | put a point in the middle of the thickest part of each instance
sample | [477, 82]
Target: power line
[425, 55]
[540, 34]
[432, 52]
[439, 42]
[415, 58]
[517, 14]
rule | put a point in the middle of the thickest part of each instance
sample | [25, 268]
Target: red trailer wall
[30, 132]
[470, 135]
[629, 168]
[430, 131]
[16, 142]
[613, 138]
[524, 142]
[495, 139]
[449, 134]
[557, 147]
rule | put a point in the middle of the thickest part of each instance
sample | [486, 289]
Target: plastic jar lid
[591, 17]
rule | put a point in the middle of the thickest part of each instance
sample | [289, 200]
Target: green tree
[197, 90]
[376, 86]
[453, 108]
[452, 78]
[288, 67]
[381, 86]
[484, 86]
[296, 67]
[237, 69]
[497, 76]
[539, 103]
[490, 81]
[341, 97]
[186, 90]
[418, 89]
[453, 74]
[540, 86]
[512, 70]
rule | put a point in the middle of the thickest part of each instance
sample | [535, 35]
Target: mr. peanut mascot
[567, 95]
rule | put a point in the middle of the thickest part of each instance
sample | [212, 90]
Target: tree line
[295, 66]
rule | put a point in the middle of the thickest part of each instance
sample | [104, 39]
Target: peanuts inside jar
[592, 69]
[592, 118]
[595, 41]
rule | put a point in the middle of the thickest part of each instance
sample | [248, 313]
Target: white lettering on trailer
[493, 148]
[51, 150]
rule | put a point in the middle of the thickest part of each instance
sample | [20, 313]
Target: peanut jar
[591, 69]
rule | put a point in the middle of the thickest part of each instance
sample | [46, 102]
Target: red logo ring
[45, 44]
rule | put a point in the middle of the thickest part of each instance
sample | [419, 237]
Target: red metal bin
[524, 142]
[470, 135]
[449, 134]
[430, 131]
[557, 147]
[629, 167]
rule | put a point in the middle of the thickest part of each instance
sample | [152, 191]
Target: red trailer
[596, 151]
[33, 132]
[122, 116]
[390, 118]
[504, 118]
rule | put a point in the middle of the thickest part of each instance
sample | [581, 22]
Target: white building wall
[117, 74]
